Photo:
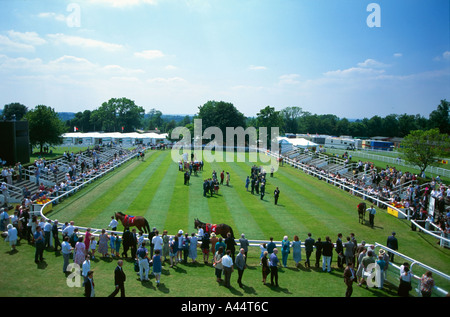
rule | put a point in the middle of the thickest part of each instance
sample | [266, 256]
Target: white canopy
[115, 135]
[297, 142]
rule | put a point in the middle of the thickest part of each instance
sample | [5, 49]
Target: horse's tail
[147, 226]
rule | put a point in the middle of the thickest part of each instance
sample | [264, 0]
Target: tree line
[123, 115]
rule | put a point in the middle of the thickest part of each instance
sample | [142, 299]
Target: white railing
[414, 263]
[395, 160]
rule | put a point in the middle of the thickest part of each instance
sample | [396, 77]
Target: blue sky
[175, 55]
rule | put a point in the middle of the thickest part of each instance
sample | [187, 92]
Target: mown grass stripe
[162, 193]
[246, 213]
[119, 196]
[88, 201]
[177, 210]
[280, 213]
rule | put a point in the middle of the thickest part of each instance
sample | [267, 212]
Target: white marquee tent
[93, 138]
[287, 144]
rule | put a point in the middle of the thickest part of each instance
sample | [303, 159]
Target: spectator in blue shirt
[273, 264]
[39, 244]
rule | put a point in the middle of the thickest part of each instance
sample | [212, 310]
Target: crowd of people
[396, 188]
[150, 253]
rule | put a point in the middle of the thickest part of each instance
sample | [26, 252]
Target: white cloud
[253, 67]
[446, 55]
[289, 79]
[20, 41]
[31, 38]
[52, 15]
[353, 71]
[124, 3]
[398, 55]
[171, 67]
[6, 44]
[71, 40]
[162, 80]
[149, 54]
[371, 63]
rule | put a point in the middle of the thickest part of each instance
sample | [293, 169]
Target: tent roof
[301, 142]
[115, 135]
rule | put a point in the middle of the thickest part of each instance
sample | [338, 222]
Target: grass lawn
[154, 189]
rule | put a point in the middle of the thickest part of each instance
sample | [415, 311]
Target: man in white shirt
[86, 267]
[157, 242]
[113, 224]
[68, 231]
[227, 263]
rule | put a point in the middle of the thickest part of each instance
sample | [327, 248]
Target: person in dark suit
[119, 280]
[349, 279]
[127, 238]
[309, 248]
[276, 195]
[89, 285]
[340, 251]
[392, 243]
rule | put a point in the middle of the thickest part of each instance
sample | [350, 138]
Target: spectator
[270, 246]
[205, 247]
[297, 251]
[349, 248]
[66, 249]
[265, 267]
[165, 246]
[89, 285]
[240, 265]
[80, 249]
[405, 282]
[142, 257]
[157, 266]
[349, 279]
[12, 237]
[309, 248]
[327, 252]
[39, 244]
[218, 264]
[244, 245]
[273, 264]
[318, 245]
[192, 248]
[392, 243]
[227, 263]
[230, 245]
[119, 280]
[55, 234]
[427, 284]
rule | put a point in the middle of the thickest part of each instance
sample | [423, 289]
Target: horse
[362, 213]
[222, 229]
[129, 221]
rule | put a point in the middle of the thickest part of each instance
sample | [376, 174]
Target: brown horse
[130, 221]
[209, 228]
[362, 213]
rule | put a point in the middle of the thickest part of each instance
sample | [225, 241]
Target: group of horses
[223, 229]
[142, 225]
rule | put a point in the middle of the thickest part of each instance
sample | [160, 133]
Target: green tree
[45, 127]
[423, 148]
[290, 117]
[118, 115]
[440, 118]
[155, 119]
[220, 114]
[269, 118]
[15, 111]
